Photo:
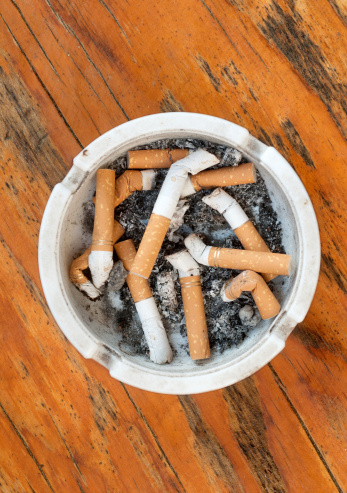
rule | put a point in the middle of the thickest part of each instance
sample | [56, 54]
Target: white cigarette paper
[197, 248]
[226, 205]
[89, 289]
[159, 348]
[176, 177]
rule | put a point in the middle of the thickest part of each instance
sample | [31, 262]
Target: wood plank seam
[70, 31]
[142, 416]
[66, 445]
[315, 446]
[43, 85]
[116, 20]
[20, 436]
[37, 41]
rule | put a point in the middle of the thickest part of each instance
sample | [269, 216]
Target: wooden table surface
[70, 71]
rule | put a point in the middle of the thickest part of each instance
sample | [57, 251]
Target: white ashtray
[61, 235]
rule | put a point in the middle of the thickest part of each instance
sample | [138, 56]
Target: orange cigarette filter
[81, 263]
[248, 280]
[224, 177]
[264, 262]
[194, 312]
[104, 211]
[126, 184]
[138, 286]
[155, 158]
[251, 240]
[151, 243]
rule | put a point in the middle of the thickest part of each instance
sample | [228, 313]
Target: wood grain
[69, 72]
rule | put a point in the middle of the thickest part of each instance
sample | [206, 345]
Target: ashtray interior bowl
[61, 235]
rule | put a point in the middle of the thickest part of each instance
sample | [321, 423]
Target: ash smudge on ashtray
[225, 327]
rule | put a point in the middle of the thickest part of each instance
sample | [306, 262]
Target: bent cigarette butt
[159, 348]
[248, 280]
[155, 158]
[81, 263]
[193, 304]
[224, 177]
[230, 258]
[239, 222]
[100, 259]
[150, 246]
[78, 265]
[79, 279]
[165, 207]
[131, 181]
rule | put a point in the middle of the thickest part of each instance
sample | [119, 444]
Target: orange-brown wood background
[71, 70]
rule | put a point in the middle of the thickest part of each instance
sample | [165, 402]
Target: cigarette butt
[100, 258]
[155, 158]
[248, 280]
[251, 240]
[150, 246]
[224, 177]
[138, 286]
[131, 181]
[264, 262]
[230, 258]
[126, 184]
[239, 222]
[81, 263]
[193, 303]
[77, 266]
[159, 348]
[194, 313]
[104, 211]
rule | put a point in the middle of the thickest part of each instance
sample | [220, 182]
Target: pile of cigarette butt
[187, 173]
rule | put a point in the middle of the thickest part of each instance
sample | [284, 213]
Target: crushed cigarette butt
[248, 280]
[131, 181]
[249, 317]
[81, 263]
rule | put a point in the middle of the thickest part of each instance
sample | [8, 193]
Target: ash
[227, 327]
